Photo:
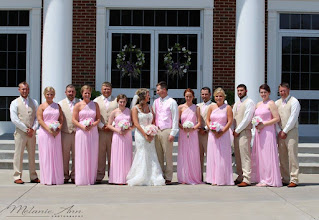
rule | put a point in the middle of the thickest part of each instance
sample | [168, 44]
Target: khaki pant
[202, 148]
[242, 151]
[105, 143]
[22, 140]
[288, 156]
[164, 150]
[68, 145]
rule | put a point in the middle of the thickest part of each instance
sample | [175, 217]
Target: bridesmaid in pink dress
[49, 140]
[86, 116]
[188, 158]
[219, 161]
[265, 161]
[122, 149]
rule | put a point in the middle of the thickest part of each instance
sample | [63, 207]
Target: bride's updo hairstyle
[141, 93]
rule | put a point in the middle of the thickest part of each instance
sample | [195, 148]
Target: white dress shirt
[14, 114]
[101, 125]
[248, 115]
[293, 118]
[174, 111]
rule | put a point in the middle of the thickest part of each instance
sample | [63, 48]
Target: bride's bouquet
[54, 125]
[151, 130]
[124, 124]
[215, 126]
[188, 124]
[87, 122]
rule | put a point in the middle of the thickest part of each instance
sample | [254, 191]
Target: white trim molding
[20, 4]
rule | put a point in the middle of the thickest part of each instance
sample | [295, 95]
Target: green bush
[230, 97]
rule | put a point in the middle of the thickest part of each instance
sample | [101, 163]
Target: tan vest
[240, 113]
[203, 115]
[105, 112]
[284, 112]
[26, 116]
[67, 126]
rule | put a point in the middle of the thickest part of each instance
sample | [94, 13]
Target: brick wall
[84, 42]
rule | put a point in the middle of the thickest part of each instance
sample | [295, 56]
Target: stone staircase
[308, 155]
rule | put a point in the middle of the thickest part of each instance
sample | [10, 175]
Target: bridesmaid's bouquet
[215, 126]
[151, 130]
[256, 120]
[188, 124]
[54, 125]
[88, 122]
[124, 124]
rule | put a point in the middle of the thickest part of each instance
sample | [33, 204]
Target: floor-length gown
[145, 170]
[86, 148]
[219, 160]
[121, 154]
[265, 161]
[188, 158]
[50, 149]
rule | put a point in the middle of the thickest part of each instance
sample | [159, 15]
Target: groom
[166, 119]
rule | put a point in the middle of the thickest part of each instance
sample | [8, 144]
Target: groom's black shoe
[168, 182]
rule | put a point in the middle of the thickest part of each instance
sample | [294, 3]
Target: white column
[207, 48]
[250, 45]
[57, 46]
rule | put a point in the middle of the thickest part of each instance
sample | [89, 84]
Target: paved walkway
[35, 201]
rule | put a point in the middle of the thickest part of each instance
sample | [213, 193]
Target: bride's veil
[134, 101]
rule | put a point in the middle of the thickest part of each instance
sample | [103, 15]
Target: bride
[145, 170]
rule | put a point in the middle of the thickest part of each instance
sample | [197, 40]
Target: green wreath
[177, 68]
[127, 66]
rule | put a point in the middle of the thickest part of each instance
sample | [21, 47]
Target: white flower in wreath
[189, 52]
[181, 67]
[125, 46]
[183, 49]
[119, 55]
[134, 46]
[123, 58]
[118, 66]
[166, 58]
[189, 59]
[123, 69]
[185, 71]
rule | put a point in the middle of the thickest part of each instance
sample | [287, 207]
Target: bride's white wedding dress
[145, 170]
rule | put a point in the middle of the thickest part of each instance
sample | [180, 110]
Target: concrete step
[308, 158]
[309, 168]
[310, 148]
[9, 154]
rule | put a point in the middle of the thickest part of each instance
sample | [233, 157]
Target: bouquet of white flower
[54, 125]
[188, 124]
[88, 122]
[124, 124]
[256, 120]
[151, 130]
[215, 126]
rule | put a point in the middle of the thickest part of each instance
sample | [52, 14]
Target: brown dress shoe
[243, 184]
[237, 182]
[36, 180]
[168, 182]
[19, 181]
[73, 181]
[66, 181]
[292, 185]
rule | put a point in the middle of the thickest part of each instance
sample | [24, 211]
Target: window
[12, 59]
[180, 18]
[300, 62]
[299, 21]
[5, 107]
[309, 113]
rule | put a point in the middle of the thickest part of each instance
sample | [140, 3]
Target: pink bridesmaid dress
[86, 149]
[219, 161]
[188, 159]
[122, 151]
[265, 161]
[50, 149]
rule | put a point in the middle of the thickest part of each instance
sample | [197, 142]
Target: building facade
[57, 42]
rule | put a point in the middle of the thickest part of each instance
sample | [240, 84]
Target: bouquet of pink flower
[188, 124]
[151, 130]
[54, 125]
[88, 122]
[215, 126]
[256, 120]
[124, 124]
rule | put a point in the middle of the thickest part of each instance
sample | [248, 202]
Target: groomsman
[23, 116]
[288, 108]
[166, 119]
[243, 112]
[203, 131]
[105, 134]
[68, 131]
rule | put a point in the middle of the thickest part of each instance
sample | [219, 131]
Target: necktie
[71, 106]
[106, 102]
[25, 103]
[239, 104]
[284, 102]
[203, 108]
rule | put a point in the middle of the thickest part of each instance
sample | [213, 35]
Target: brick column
[250, 45]
[57, 46]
